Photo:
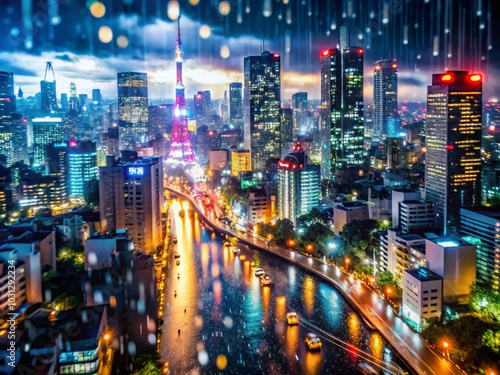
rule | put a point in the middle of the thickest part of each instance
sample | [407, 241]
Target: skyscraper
[81, 159]
[181, 152]
[48, 90]
[203, 108]
[262, 104]
[385, 94]
[96, 97]
[299, 106]
[342, 105]
[236, 104]
[453, 140]
[7, 97]
[45, 130]
[132, 110]
[131, 197]
[299, 185]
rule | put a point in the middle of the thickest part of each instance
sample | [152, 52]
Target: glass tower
[453, 140]
[385, 95]
[262, 103]
[132, 110]
[7, 97]
[236, 104]
[342, 106]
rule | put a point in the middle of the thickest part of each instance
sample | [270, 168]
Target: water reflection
[309, 290]
[312, 363]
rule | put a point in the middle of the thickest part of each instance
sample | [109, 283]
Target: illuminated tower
[181, 152]
[48, 90]
[385, 94]
[453, 140]
[262, 106]
[7, 97]
[342, 106]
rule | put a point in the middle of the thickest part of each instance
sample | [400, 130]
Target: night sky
[425, 36]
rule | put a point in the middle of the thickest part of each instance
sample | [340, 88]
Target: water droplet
[221, 362]
[203, 357]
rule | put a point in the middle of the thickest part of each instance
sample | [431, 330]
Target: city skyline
[146, 46]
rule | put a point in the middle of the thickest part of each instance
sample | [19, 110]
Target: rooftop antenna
[49, 68]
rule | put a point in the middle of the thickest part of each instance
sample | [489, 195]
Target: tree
[149, 368]
[491, 340]
[312, 217]
[485, 301]
[318, 234]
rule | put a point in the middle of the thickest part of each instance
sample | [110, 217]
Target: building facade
[241, 161]
[453, 141]
[236, 104]
[262, 105]
[133, 110]
[481, 227]
[7, 97]
[131, 197]
[342, 105]
[385, 95]
[299, 185]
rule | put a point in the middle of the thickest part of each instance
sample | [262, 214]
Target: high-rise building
[181, 151]
[160, 120]
[385, 95]
[74, 103]
[203, 108]
[13, 139]
[64, 101]
[45, 131]
[48, 90]
[131, 197]
[81, 161]
[96, 97]
[7, 97]
[287, 132]
[299, 106]
[342, 105]
[453, 141]
[299, 185]
[262, 105]
[480, 226]
[132, 110]
[236, 104]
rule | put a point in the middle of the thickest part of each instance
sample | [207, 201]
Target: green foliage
[485, 301]
[319, 235]
[312, 217]
[72, 259]
[473, 343]
[491, 340]
[149, 368]
[359, 239]
[281, 231]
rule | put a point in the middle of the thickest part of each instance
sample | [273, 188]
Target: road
[219, 314]
[375, 310]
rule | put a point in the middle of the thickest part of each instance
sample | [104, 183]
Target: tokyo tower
[181, 152]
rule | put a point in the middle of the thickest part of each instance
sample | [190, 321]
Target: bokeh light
[194, 2]
[97, 9]
[224, 8]
[122, 41]
[221, 362]
[173, 10]
[205, 31]
[224, 51]
[105, 34]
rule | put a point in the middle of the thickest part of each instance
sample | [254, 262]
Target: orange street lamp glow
[445, 344]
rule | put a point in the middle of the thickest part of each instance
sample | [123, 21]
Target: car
[174, 239]
[265, 281]
[292, 318]
[259, 272]
[312, 341]
[236, 250]
[177, 255]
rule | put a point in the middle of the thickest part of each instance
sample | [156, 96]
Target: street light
[347, 261]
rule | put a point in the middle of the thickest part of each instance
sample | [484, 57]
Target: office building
[455, 261]
[131, 197]
[481, 227]
[416, 216]
[64, 101]
[422, 296]
[45, 131]
[96, 97]
[218, 160]
[48, 90]
[7, 97]
[132, 110]
[236, 104]
[453, 141]
[99, 248]
[203, 109]
[299, 185]
[262, 105]
[300, 113]
[160, 120]
[39, 190]
[344, 213]
[385, 95]
[342, 105]
[13, 140]
[241, 161]
[286, 128]
[82, 167]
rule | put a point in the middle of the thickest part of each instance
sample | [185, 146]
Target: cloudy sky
[89, 41]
